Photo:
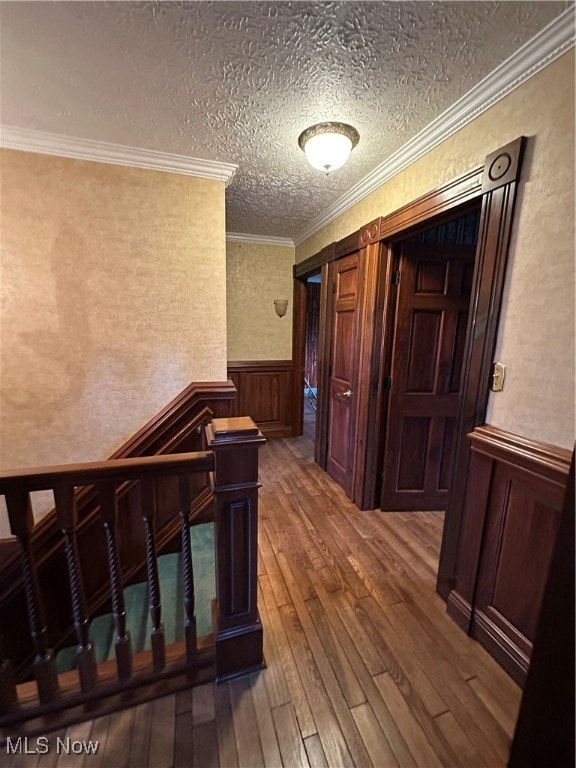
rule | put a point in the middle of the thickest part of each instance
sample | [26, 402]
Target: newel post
[237, 626]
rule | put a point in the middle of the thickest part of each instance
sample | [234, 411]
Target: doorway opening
[310, 402]
[434, 271]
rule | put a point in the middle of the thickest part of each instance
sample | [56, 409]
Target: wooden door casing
[429, 338]
[343, 371]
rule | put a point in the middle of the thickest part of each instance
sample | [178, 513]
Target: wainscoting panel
[514, 497]
[264, 388]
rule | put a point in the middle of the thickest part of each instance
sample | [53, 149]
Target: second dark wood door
[343, 363]
[429, 337]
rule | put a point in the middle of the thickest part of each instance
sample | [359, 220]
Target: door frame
[494, 184]
[301, 272]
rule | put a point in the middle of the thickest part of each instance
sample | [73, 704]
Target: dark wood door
[343, 376]
[429, 337]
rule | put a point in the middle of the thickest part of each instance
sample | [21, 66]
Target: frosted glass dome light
[328, 145]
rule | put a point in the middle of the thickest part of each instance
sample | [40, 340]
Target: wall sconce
[280, 305]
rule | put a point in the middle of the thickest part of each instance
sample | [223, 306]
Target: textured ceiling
[238, 82]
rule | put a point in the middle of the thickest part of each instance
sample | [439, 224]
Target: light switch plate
[498, 375]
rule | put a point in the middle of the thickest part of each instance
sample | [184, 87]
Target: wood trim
[364, 468]
[347, 245]
[489, 565]
[451, 195]
[543, 459]
[459, 609]
[501, 646]
[313, 264]
[324, 346]
[218, 396]
[309, 265]
[370, 233]
[441, 200]
[259, 365]
[64, 475]
[319, 262]
[489, 271]
[298, 355]
[377, 424]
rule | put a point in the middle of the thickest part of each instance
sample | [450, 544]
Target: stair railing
[237, 632]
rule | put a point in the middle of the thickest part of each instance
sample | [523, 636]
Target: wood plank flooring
[364, 667]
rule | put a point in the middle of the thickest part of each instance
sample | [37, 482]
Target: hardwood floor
[364, 667]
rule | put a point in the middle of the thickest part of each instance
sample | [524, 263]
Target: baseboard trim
[273, 433]
[500, 646]
[460, 610]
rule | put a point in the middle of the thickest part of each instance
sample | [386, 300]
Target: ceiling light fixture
[328, 145]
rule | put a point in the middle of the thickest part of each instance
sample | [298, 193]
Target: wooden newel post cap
[237, 429]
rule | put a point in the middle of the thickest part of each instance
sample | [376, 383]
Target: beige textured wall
[113, 301]
[536, 339]
[256, 275]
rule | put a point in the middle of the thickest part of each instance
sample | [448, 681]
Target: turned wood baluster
[8, 694]
[21, 525]
[122, 642]
[148, 502]
[67, 514]
[187, 567]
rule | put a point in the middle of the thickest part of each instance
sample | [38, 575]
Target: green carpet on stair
[172, 599]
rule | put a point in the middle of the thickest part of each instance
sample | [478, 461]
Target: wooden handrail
[46, 478]
[237, 630]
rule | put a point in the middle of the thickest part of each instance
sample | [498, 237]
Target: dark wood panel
[545, 728]
[264, 393]
[514, 496]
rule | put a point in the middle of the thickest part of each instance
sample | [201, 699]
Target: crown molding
[30, 140]
[548, 45]
[240, 237]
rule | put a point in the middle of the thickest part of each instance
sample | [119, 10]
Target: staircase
[148, 645]
[138, 621]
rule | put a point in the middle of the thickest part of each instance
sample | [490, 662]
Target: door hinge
[396, 277]
[387, 383]
[334, 287]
